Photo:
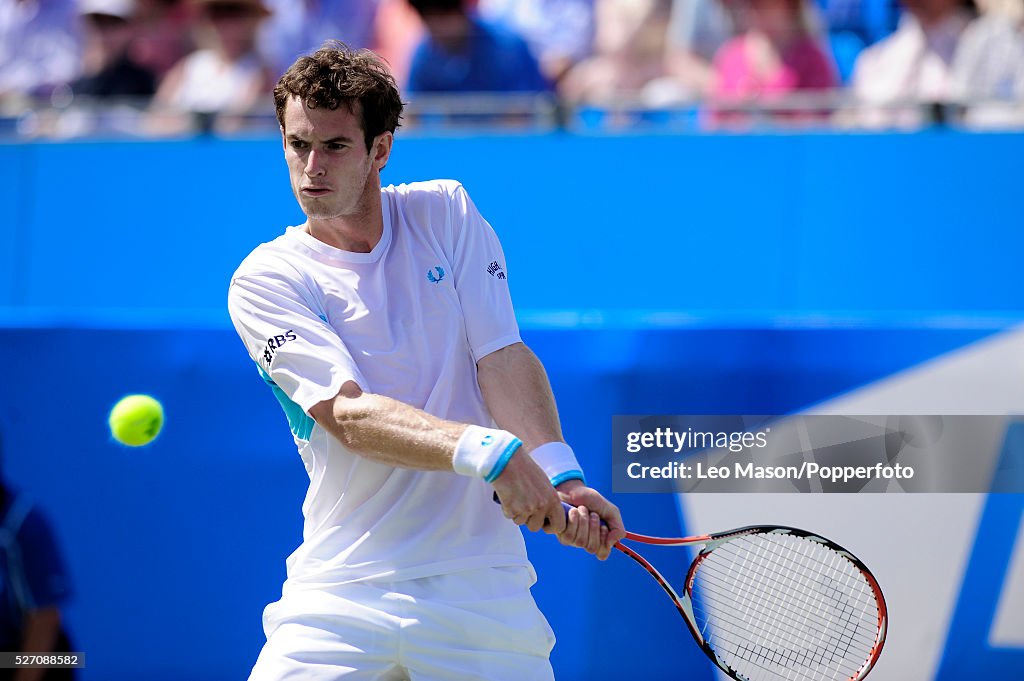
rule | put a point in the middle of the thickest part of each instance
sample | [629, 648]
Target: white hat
[114, 8]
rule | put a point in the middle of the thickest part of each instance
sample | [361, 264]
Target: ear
[381, 149]
[284, 140]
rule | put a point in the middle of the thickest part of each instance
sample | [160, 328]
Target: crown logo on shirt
[435, 278]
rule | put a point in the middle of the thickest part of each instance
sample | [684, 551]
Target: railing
[72, 118]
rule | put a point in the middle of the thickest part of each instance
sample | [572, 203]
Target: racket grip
[567, 507]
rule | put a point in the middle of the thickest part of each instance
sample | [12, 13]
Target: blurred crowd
[867, 63]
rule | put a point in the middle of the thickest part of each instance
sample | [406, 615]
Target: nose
[314, 167]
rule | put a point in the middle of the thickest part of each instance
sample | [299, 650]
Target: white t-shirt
[408, 320]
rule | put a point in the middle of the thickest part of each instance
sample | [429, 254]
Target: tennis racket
[771, 603]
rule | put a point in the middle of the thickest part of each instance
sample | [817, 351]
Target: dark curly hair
[335, 75]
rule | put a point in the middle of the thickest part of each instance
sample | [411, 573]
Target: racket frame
[684, 603]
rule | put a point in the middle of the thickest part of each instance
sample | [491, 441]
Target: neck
[356, 233]
[781, 39]
[930, 20]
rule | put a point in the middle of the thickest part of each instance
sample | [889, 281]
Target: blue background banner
[652, 274]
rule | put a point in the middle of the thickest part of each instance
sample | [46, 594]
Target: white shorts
[476, 624]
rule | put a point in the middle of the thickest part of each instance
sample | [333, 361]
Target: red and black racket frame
[711, 542]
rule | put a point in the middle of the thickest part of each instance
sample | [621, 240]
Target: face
[112, 33]
[448, 29]
[773, 16]
[931, 10]
[332, 173]
[235, 25]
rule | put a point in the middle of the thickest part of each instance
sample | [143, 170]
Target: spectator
[461, 53]
[297, 27]
[34, 585]
[397, 32]
[897, 79]
[777, 54]
[109, 70]
[164, 34]
[227, 74]
[559, 32]
[700, 27]
[988, 70]
[39, 46]
[630, 57]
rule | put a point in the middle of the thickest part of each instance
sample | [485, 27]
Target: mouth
[314, 191]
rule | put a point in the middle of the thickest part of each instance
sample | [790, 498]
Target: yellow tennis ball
[136, 420]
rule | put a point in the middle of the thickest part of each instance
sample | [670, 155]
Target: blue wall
[652, 274]
[176, 548]
[867, 223]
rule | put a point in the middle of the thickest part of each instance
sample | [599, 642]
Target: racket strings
[755, 649]
[788, 656]
[740, 622]
[778, 606]
[769, 581]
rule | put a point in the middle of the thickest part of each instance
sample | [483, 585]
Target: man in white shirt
[384, 326]
[895, 79]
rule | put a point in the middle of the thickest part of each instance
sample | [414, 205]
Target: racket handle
[567, 507]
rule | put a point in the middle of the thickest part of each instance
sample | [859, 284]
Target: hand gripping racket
[774, 603]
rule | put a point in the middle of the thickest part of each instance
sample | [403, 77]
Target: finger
[572, 527]
[583, 527]
[616, 528]
[594, 537]
[536, 521]
[606, 549]
[556, 519]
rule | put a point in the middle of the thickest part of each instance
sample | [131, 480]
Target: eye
[336, 146]
[298, 144]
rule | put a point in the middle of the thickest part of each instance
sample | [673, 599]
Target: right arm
[397, 434]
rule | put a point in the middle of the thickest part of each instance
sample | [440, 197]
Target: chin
[323, 214]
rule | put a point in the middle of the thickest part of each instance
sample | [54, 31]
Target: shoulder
[197, 61]
[874, 62]
[498, 34]
[31, 526]
[442, 208]
[271, 259]
[906, 36]
[437, 194]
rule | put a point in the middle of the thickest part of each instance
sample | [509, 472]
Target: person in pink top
[776, 54]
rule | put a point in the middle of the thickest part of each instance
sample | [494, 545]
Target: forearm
[392, 432]
[518, 395]
[388, 431]
[42, 629]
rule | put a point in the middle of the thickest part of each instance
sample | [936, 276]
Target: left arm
[518, 395]
[41, 631]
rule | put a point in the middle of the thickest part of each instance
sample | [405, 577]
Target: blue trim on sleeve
[499, 465]
[300, 422]
[568, 475]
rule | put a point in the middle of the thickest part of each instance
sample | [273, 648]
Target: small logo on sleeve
[274, 344]
[494, 269]
[435, 275]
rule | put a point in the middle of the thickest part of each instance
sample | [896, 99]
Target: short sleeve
[46, 577]
[481, 280]
[292, 344]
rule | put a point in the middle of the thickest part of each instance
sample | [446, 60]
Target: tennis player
[385, 328]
